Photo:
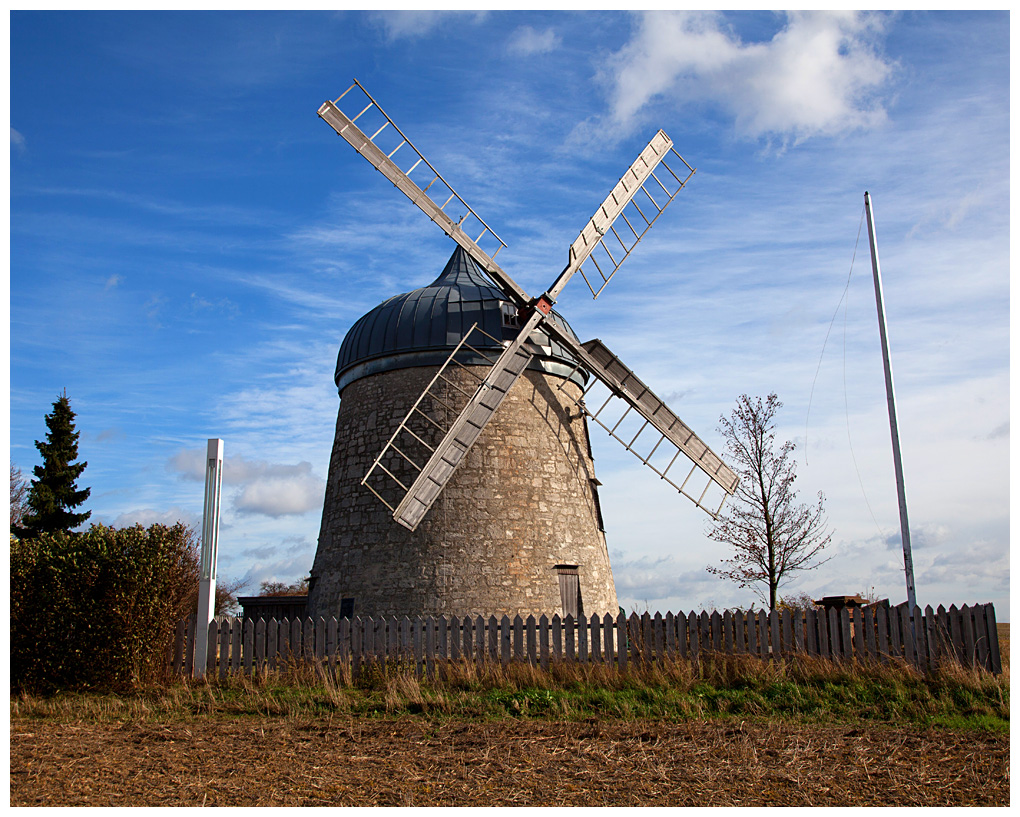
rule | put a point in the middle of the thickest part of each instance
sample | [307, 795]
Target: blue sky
[189, 244]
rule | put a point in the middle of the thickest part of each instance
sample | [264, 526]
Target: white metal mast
[908, 560]
[210, 545]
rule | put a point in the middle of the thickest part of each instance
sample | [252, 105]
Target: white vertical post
[908, 560]
[210, 542]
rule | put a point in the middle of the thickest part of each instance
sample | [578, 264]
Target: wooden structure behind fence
[966, 635]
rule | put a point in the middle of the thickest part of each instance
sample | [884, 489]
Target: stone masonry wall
[521, 503]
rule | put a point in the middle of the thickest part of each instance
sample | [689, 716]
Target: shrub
[97, 610]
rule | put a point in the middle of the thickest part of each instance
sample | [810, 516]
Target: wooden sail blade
[639, 197]
[434, 185]
[624, 386]
[475, 416]
[610, 369]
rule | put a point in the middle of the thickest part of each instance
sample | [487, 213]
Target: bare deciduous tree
[19, 496]
[773, 537]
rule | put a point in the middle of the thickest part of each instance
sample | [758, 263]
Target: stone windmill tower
[461, 479]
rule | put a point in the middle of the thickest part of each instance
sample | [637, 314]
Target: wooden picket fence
[966, 635]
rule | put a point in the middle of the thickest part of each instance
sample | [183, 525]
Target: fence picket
[967, 625]
[811, 632]
[505, 628]
[943, 639]
[393, 641]
[682, 634]
[529, 626]
[557, 639]
[739, 638]
[786, 625]
[895, 631]
[223, 628]
[956, 633]
[607, 639]
[821, 633]
[331, 642]
[569, 639]
[543, 641]
[622, 640]
[212, 648]
[467, 638]
[635, 639]
[430, 646]
[775, 625]
[669, 628]
[857, 627]
[248, 642]
[442, 642]
[868, 647]
[909, 646]
[480, 639]
[799, 630]
[592, 628]
[980, 635]
[518, 638]
[357, 645]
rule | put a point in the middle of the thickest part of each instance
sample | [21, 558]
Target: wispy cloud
[400, 25]
[18, 142]
[818, 75]
[526, 42]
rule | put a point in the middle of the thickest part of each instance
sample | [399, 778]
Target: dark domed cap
[421, 328]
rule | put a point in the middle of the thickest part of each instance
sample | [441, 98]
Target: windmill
[433, 439]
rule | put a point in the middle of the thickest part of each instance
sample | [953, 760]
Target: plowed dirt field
[414, 761]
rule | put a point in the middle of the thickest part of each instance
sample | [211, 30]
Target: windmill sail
[370, 147]
[639, 198]
[453, 448]
[625, 390]
[449, 452]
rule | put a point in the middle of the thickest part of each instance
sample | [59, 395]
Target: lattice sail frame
[623, 389]
[622, 203]
[449, 453]
[412, 445]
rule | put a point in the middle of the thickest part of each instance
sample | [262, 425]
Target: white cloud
[18, 141]
[816, 76]
[290, 490]
[525, 41]
[269, 489]
[414, 24]
[147, 516]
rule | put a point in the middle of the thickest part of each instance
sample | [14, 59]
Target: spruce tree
[54, 494]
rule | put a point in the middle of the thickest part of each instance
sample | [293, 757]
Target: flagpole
[908, 560]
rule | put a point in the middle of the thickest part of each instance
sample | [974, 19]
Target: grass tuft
[802, 689]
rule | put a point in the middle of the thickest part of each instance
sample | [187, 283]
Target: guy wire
[844, 302]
